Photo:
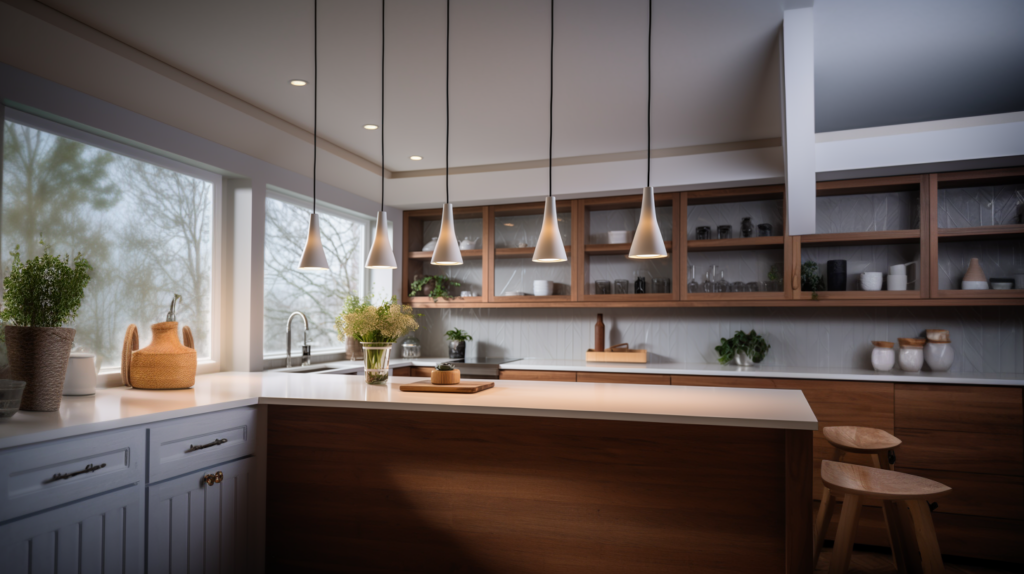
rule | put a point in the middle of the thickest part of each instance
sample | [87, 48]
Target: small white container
[80, 378]
[911, 357]
[871, 281]
[883, 356]
[938, 355]
[897, 283]
[542, 288]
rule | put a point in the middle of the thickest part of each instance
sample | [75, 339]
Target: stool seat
[861, 440]
[878, 483]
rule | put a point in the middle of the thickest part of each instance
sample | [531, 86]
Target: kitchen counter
[703, 369]
[118, 407]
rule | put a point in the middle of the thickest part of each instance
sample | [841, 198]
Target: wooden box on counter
[617, 356]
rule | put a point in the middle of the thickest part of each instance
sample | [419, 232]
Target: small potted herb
[445, 374]
[743, 349]
[810, 280]
[40, 296]
[457, 343]
[433, 286]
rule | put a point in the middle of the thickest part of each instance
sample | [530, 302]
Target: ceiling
[715, 68]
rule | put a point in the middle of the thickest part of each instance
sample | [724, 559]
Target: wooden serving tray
[465, 387]
[624, 356]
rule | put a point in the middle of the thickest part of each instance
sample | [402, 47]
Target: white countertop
[119, 407]
[703, 369]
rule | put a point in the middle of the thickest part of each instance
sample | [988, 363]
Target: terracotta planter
[39, 356]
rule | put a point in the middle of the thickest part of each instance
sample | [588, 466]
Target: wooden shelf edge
[983, 232]
[735, 244]
[861, 238]
[614, 248]
[949, 302]
[983, 294]
[901, 296]
[466, 254]
[520, 252]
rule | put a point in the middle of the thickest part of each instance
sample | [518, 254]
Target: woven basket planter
[164, 364]
[39, 356]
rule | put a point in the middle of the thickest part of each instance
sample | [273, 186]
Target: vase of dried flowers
[376, 328]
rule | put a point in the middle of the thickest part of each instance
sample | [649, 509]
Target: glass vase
[376, 362]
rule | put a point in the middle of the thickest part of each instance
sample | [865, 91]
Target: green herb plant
[810, 280]
[45, 291]
[445, 367]
[458, 335]
[441, 287]
[750, 343]
[773, 273]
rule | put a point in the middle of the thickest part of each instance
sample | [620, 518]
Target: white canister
[938, 355]
[80, 378]
[542, 288]
[883, 356]
[897, 283]
[911, 357]
[871, 281]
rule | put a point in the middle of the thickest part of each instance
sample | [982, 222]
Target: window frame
[112, 375]
[306, 202]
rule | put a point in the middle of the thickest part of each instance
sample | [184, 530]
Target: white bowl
[974, 285]
[871, 281]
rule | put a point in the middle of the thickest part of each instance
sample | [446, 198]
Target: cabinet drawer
[961, 408]
[100, 534]
[623, 378]
[192, 443]
[961, 452]
[974, 494]
[737, 382]
[560, 376]
[40, 476]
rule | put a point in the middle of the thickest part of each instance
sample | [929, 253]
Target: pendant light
[381, 255]
[647, 241]
[446, 250]
[313, 258]
[549, 245]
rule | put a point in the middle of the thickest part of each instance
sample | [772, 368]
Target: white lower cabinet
[103, 534]
[198, 528]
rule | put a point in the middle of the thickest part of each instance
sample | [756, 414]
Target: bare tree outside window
[318, 294]
[146, 230]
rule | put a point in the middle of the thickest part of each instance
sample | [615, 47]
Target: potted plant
[41, 295]
[433, 286]
[377, 328]
[353, 350]
[457, 343]
[743, 349]
[810, 280]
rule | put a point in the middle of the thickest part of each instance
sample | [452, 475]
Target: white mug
[897, 282]
[871, 281]
[80, 378]
[897, 270]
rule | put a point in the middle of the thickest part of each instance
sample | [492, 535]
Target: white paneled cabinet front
[195, 527]
[100, 535]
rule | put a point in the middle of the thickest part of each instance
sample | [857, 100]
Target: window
[318, 294]
[146, 228]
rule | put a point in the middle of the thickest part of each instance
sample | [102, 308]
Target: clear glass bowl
[10, 397]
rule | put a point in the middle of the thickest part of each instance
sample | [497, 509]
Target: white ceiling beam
[798, 145]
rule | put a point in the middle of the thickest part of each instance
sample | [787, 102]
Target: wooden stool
[879, 444]
[858, 482]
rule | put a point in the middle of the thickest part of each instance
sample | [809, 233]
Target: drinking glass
[721, 285]
[658, 285]
[753, 287]
[764, 230]
[602, 287]
[703, 232]
[691, 279]
[709, 282]
[621, 286]
[738, 287]
[725, 232]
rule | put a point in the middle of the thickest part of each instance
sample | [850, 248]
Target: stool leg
[848, 519]
[927, 542]
[824, 518]
[901, 550]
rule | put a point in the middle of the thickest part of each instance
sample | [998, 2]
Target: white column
[797, 55]
[247, 218]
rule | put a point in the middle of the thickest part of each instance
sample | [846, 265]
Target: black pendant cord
[551, 100]
[316, 88]
[447, 104]
[383, 11]
[650, 20]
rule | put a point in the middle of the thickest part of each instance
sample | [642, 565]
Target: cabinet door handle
[212, 479]
[193, 447]
[88, 468]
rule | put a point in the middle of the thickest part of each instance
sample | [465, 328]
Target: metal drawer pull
[193, 447]
[211, 479]
[88, 468]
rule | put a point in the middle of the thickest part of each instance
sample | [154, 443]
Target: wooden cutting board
[464, 387]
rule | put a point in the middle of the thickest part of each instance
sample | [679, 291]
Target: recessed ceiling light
[370, 127]
[298, 83]
[415, 158]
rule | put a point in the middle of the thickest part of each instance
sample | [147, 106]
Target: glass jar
[602, 287]
[725, 232]
[376, 362]
[622, 286]
[411, 348]
[883, 357]
[764, 230]
[703, 232]
[911, 358]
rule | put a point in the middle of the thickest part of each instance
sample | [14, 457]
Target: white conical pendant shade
[549, 245]
[381, 255]
[647, 242]
[446, 252]
[313, 257]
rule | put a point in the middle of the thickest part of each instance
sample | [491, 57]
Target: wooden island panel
[399, 491]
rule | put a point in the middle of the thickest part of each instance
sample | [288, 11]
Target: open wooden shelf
[532, 299]
[614, 248]
[520, 252]
[987, 232]
[890, 297]
[861, 238]
[466, 254]
[735, 244]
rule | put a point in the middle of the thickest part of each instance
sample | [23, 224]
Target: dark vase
[456, 349]
[640, 285]
[747, 227]
[835, 275]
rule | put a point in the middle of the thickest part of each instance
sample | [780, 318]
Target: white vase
[883, 359]
[939, 356]
[911, 359]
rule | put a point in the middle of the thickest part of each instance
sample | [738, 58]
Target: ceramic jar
[883, 356]
[911, 357]
[938, 355]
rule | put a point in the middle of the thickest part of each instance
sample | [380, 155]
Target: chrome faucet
[305, 346]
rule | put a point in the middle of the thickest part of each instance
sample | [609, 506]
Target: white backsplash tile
[987, 340]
